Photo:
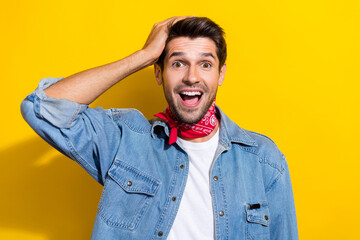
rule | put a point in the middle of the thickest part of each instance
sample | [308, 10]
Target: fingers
[156, 40]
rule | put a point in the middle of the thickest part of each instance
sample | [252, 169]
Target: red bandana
[201, 129]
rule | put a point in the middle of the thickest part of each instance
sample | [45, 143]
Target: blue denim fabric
[141, 173]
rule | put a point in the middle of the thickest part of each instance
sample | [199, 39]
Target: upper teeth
[191, 93]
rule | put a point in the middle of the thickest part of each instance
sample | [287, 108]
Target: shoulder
[271, 160]
[267, 151]
[130, 118]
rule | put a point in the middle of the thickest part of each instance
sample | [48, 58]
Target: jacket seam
[137, 172]
[280, 169]
[79, 158]
[128, 124]
[167, 204]
[271, 164]
[225, 203]
[76, 113]
[174, 212]
[261, 135]
[269, 188]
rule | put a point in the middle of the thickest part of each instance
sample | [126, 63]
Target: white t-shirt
[195, 218]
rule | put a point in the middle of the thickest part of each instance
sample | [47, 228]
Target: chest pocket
[126, 196]
[257, 221]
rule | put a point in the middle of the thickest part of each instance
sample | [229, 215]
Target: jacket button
[182, 166]
[129, 183]
[221, 213]
[160, 234]
[173, 198]
[216, 178]
[266, 217]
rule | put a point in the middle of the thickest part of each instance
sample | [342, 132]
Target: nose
[192, 75]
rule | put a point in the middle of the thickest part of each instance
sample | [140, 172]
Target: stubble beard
[188, 115]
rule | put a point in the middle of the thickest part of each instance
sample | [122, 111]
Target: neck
[202, 139]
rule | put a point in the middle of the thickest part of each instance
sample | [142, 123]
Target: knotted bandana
[201, 129]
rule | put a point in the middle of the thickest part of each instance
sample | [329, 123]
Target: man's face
[190, 77]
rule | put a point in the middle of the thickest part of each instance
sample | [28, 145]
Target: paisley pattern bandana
[201, 129]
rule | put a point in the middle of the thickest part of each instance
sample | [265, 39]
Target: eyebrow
[179, 54]
[208, 54]
[176, 54]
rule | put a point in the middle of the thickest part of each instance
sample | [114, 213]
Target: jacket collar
[229, 131]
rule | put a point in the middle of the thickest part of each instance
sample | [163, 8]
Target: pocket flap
[133, 180]
[258, 213]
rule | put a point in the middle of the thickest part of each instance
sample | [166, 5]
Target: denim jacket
[144, 177]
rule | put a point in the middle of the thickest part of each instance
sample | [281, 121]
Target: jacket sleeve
[283, 225]
[88, 136]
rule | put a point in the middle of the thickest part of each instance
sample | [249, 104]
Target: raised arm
[57, 110]
[84, 87]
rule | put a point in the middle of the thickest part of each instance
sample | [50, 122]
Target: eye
[177, 64]
[206, 65]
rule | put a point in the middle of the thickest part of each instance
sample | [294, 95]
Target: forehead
[190, 46]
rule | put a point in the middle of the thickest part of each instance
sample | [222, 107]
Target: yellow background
[293, 75]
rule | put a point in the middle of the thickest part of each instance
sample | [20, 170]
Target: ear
[222, 74]
[158, 74]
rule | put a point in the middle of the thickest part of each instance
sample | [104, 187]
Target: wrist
[148, 57]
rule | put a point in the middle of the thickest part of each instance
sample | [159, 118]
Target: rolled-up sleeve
[88, 136]
[61, 113]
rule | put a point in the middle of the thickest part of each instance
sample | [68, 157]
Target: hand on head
[156, 40]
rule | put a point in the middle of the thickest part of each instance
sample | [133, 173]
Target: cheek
[213, 80]
[168, 87]
[172, 79]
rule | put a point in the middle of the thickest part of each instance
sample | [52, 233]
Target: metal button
[160, 234]
[182, 166]
[221, 213]
[216, 178]
[266, 217]
[173, 198]
[129, 183]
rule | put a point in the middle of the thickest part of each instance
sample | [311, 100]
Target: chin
[189, 115]
[190, 119]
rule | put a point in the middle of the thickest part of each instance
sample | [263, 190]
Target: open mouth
[190, 98]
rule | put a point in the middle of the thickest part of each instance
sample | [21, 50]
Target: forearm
[84, 87]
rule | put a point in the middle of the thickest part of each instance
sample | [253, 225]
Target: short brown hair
[195, 27]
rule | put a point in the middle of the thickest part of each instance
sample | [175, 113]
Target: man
[191, 173]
